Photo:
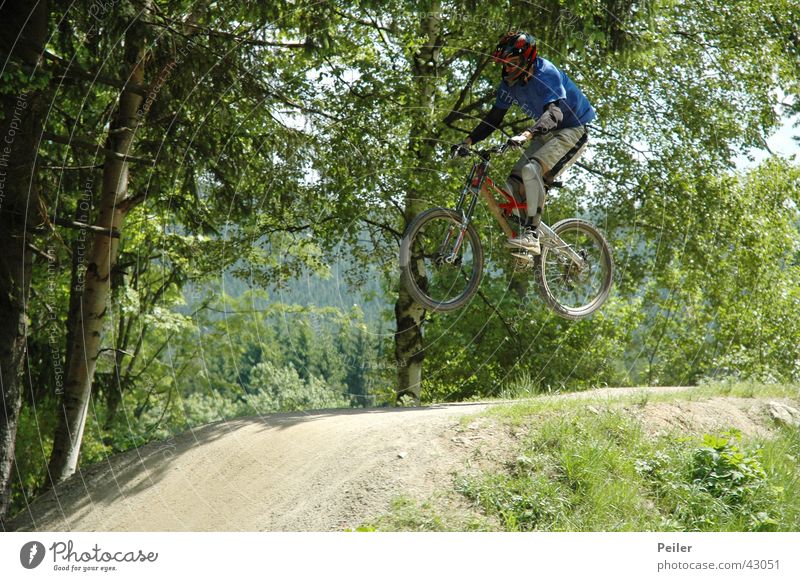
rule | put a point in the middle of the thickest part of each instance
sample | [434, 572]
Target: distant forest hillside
[314, 290]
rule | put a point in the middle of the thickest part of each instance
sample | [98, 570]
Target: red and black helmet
[516, 51]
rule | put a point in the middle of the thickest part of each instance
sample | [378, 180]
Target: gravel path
[323, 471]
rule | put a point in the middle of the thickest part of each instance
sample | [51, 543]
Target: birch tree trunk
[409, 346]
[22, 36]
[86, 320]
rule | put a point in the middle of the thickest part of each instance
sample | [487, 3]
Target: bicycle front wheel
[574, 291]
[441, 269]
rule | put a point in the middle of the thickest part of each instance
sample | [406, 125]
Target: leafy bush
[725, 472]
[201, 408]
[712, 484]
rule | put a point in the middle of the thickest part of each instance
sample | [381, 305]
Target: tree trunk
[409, 346]
[85, 324]
[409, 349]
[23, 34]
[83, 215]
[114, 385]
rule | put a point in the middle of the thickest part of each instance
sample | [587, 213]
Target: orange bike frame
[480, 183]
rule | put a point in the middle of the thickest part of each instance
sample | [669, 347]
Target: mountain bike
[441, 257]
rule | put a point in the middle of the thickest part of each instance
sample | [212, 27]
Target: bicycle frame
[478, 183]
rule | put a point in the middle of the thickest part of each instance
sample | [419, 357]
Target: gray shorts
[555, 151]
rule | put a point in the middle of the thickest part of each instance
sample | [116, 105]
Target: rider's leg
[546, 157]
[534, 192]
[528, 238]
[531, 155]
[529, 171]
[516, 188]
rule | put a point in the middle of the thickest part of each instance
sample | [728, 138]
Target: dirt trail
[322, 471]
[302, 472]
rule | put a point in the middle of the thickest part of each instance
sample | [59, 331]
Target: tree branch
[76, 142]
[386, 227]
[596, 172]
[454, 113]
[307, 44]
[506, 324]
[82, 226]
[70, 167]
[131, 202]
[41, 253]
[246, 73]
[73, 71]
[371, 23]
[454, 116]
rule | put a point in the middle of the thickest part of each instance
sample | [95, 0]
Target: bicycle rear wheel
[571, 291]
[438, 275]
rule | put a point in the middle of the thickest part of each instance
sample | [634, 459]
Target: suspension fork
[471, 189]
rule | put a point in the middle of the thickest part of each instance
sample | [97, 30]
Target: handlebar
[484, 154]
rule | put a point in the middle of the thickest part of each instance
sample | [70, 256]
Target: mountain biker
[546, 93]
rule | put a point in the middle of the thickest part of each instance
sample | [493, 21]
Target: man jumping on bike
[546, 93]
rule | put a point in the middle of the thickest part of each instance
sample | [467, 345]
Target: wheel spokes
[435, 243]
[572, 286]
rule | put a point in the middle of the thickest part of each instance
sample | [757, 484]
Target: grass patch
[713, 484]
[524, 388]
[519, 413]
[582, 470]
[573, 473]
[587, 464]
[409, 515]
[781, 460]
[744, 389]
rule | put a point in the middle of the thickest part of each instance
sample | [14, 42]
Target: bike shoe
[527, 240]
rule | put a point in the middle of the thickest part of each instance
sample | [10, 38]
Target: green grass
[520, 412]
[781, 459]
[575, 472]
[744, 389]
[522, 388]
[409, 515]
[586, 465]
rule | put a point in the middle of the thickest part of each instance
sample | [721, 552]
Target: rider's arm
[549, 120]
[487, 125]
